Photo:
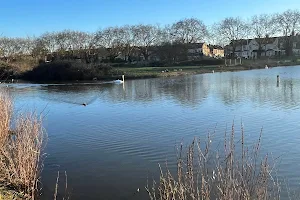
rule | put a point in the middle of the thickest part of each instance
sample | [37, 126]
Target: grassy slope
[147, 72]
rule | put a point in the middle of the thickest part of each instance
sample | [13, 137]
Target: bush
[201, 62]
[6, 71]
[67, 71]
[157, 64]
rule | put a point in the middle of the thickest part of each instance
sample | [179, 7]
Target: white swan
[266, 67]
[120, 81]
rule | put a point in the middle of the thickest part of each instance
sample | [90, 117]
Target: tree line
[169, 40]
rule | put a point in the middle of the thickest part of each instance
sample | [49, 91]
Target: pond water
[112, 145]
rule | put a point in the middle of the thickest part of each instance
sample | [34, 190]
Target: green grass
[141, 72]
[150, 72]
[153, 72]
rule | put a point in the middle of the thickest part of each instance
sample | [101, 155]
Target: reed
[64, 194]
[227, 174]
[21, 158]
[5, 116]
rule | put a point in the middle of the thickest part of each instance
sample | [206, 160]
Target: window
[281, 45]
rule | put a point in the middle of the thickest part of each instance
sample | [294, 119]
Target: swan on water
[120, 81]
[266, 67]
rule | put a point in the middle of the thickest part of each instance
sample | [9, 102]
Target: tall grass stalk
[21, 158]
[5, 116]
[230, 174]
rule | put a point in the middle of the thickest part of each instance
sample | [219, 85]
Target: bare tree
[10, 47]
[214, 36]
[111, 39]
[80, 40]
[189, 31]
[27, 45]
[167, 35]
[146, 37]
[49, 42]
[129, 40]
[63, 40]
[262, 27]
[5, 47]
[232, 30]
[289, 23]
[39, 48]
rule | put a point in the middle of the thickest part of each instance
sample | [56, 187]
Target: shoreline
[133, 73]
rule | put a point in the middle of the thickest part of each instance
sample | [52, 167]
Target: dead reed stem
[21, 150]
[5, 116]
[225, 175]
[56, 192]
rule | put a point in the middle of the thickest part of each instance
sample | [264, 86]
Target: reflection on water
[111, 145]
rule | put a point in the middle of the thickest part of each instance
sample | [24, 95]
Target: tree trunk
[146, 55]
[259, 51]
[288, 46]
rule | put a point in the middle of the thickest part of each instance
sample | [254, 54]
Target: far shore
[155, 72]
[160, 72]
[61, 73]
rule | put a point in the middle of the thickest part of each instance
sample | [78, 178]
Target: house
[296, 45]
[216, 51]
[196, 51]
[264, 47]
[240, 48]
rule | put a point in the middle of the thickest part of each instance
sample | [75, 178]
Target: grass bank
[154, 72]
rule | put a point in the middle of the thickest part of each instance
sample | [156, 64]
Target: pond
[110, 146]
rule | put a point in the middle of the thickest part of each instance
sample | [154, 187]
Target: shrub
[67, 71]
[201, 62]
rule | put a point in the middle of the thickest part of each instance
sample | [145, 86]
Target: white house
[249, 48]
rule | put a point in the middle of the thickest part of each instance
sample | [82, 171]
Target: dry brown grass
[204, 174]
[5, 116]
[21, 150]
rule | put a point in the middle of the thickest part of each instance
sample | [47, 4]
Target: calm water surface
[109, 147]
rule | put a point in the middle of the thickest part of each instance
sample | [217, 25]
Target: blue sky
[19, 18]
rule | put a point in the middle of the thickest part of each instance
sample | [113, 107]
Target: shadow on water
[78, 94]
